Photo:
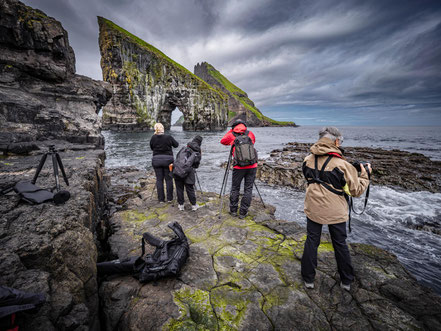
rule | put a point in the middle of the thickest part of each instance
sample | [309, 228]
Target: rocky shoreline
[394, 168]
[245, 274]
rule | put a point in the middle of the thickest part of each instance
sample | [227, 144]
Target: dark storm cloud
[362, 58]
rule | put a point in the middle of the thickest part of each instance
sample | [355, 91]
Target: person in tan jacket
[331, 180]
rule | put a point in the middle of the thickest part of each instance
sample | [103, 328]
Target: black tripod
[56, 161]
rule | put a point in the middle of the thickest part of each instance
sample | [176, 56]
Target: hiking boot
[195, 207]
[309, 285]
[181, 207]
[242, 216]
[345, 287]
[233, 213]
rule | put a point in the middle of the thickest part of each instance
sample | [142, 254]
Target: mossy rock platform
[244, 274]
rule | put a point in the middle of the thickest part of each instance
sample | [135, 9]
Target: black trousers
[180, 184]
[341, 251]
[163, 173]
[238, 175]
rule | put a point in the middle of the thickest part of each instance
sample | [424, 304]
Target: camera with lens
[359, 164]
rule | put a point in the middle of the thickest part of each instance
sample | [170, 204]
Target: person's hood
[240, 128]
[325, 146]
[194, 146]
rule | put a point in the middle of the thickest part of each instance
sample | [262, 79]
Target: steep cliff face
[40, 95]
[148, 86]
[239, 105]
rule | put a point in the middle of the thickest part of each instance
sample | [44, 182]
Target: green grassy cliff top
[154, 50]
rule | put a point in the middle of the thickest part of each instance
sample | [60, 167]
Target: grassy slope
[240, 95]
[156, 51]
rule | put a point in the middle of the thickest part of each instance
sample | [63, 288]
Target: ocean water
[392, 216]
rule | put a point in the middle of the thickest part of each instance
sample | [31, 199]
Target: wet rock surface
[399, 169]
[41, 97]
[245, 274]
[51, 248]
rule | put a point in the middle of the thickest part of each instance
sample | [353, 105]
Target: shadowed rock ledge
[245, 274]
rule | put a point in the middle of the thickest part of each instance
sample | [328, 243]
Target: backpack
[184, 162]
[245, 154]
[168, 258]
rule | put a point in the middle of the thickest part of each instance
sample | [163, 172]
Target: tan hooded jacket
[321, 205]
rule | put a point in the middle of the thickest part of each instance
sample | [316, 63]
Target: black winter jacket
[162, 147]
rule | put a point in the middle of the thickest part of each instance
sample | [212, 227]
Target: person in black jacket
[189, 181]
[161, 145]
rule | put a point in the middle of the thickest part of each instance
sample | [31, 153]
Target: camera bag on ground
[184, 162]
[244, 154]
[32, 193]
[167, 260]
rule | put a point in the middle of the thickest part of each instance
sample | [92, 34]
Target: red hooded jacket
[229, 137]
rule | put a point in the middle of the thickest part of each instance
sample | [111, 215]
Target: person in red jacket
[247, 173]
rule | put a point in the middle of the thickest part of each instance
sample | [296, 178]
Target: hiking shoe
[195, 207]
[345, 287]
[181, 207]
[233, 213]
[242, 216]
[309, 285]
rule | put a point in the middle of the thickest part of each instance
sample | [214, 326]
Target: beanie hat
[198, 140]
[237, 122]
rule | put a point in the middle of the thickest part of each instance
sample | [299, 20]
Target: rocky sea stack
[148, 86]
[239, 105]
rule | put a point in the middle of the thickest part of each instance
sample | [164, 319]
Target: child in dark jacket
[189, 180]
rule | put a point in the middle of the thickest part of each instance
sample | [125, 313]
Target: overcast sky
[364, 62]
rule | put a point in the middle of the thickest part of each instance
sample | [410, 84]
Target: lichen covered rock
[245, 275]
[239, 105]
[148, 86]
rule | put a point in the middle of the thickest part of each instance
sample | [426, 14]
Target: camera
[359, 164]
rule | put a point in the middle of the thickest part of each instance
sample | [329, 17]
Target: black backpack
[168, 258]
[184, 162]
[245, 154]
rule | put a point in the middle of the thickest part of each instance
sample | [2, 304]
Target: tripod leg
[259, 195]
[40, 166]
[54, 163]
[62, 168]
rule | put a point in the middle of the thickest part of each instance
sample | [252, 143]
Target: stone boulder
[245, 275]
[148, 86]
[40, 96]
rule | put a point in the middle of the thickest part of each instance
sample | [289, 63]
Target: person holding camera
[331, 181]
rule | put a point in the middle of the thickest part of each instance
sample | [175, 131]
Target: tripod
[197, 179]
[56, 161]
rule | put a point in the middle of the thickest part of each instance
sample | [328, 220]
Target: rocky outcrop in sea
[148, 86]
[394, 168]
[245, 274]
[41, 97]
[239, 105]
